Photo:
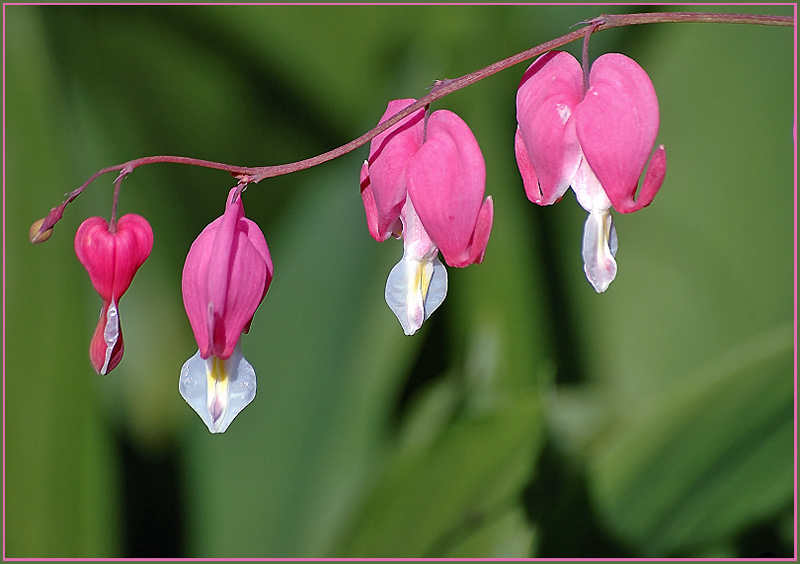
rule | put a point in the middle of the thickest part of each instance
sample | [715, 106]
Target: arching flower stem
[440, 89]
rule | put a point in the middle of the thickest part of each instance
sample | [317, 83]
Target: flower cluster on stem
[589, 128]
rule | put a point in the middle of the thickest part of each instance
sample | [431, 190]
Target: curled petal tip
[36, 234]
[370, 207]
[483, 228]
[654, 177]
[529, 179]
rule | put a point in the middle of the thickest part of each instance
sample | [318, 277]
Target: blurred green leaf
[61, 490]
[508, 535]
[705, 268]
[711, 457]
[431, 499]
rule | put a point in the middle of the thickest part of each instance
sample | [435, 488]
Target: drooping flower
[597, 141]
[424, 181]
[111, 258]
[226, 276]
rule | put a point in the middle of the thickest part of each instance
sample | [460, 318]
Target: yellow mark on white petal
[217, 395]
[414, 289]
[423, 278]
[418, 285]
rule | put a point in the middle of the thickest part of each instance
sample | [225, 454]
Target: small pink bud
[111, 259]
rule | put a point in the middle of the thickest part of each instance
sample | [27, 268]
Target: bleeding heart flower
[597, 141]
[424, 181]
[226, 276]
[111, 257]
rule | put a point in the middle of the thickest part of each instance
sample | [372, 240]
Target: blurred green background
[530, 417]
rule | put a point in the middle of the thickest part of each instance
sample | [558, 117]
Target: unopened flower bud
[36, 235]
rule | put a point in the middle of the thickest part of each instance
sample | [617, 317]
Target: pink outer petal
[547, 149]
[384, 175]
[256, 237]
[617, 124]
[226, 276]
[446, 181]
[134, 241]
[112, 259]
[194, 285]
[94, 246]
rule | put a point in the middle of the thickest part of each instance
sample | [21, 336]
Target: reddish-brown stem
[441, 88]
[588, 31]
[445, 87]
[125, 169]
[112, 224]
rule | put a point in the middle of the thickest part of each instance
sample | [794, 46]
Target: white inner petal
[218, 390]
[588, 190]
[599, 249]
[414, 289]
[110, 333]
